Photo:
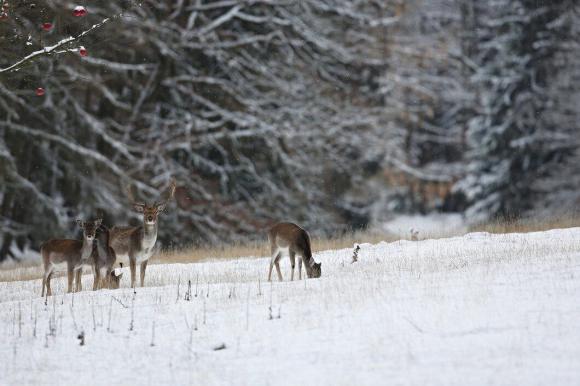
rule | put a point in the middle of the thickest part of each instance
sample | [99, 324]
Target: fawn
[104, 258]
[290, 238]
[73, 253]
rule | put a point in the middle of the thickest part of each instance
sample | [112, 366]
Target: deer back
[290, 235]
[120, 238]
[58, 251]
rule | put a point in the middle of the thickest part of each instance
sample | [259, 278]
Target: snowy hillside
[477, 309]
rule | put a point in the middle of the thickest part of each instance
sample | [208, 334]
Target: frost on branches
[247, 104]
[333, 114]
[513, 136]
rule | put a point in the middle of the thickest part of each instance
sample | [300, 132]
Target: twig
[188, 293]
[35, 319]
[110, 311]
[132, 325]
[178, 285]
[19, 320]
[248, 309]
[81, 338]
[72, 314]
[120, 302]
[355, 254]
[47, 51]
[94, 321]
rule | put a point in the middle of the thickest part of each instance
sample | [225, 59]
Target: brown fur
[59, 251]
[288, 235]
[104, 258]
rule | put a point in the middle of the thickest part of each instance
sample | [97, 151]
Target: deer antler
[131, 196]
[167, 193]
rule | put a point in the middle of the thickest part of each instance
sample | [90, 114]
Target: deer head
[115, 280]
[89, 228]
[316, 270]
[150, 212]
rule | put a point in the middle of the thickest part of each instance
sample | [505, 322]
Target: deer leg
[275, 257]
[108, 279]
[272, 250]
[97, 278]
[133, 267]
[48, 290]
[269, 272]
[292, 264]
[44, 282]
[70, 278]
[278, 270]
[142, 271]
[300, 268]
[78, 279]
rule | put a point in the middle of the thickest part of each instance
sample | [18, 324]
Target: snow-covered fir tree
[512, 137]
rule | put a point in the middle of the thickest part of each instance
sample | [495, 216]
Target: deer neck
[308, 263]
[149, 234]
[86, 249]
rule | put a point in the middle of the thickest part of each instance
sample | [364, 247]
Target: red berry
[40, 91]
[79, 11]
[47, 26]
[83, 51]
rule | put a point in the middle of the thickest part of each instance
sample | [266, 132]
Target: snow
[476, 309]
[432, 225]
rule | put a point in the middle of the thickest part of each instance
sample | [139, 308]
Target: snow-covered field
[478, 309]
[433, 225]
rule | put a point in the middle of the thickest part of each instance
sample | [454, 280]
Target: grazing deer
[290, 238]
[136, 243]
[104, 258]
[73, 253]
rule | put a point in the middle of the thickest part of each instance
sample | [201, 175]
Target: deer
[74, 253]
[291, 239]
[104, 258]
[137, 243]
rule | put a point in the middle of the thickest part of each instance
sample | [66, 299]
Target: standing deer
[73, 253]
[104, 258]
[136, 243]
[293, 240]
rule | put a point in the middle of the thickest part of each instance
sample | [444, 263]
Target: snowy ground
[479, 309]
[430, 226]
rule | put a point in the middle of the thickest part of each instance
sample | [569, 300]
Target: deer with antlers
[136, 243]
[73, 253]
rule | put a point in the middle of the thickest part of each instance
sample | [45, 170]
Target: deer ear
[98, 222]
[161, 207]
[79, 222]
[138, 208]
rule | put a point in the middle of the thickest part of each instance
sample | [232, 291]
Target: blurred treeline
[334, 114]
